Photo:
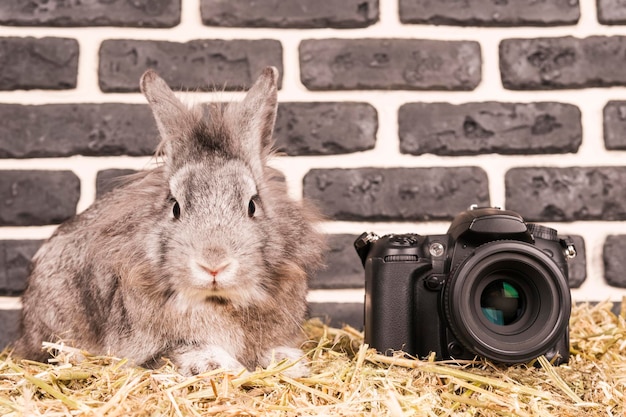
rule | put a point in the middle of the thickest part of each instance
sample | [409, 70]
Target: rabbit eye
[176, 210]
[253, 206]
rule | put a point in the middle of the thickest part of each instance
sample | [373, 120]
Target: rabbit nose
[214, 270]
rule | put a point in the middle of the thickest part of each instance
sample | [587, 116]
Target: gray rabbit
[203, 260]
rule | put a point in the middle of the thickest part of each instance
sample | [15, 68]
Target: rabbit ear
[256, 115]
[174, 120]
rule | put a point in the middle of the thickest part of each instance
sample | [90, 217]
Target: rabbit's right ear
[253, 120]
[174, 120]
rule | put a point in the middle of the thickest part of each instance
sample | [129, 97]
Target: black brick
[56, 130]
[490, 12]
[109, 178]
[34, 198]
[153, 13]
[615, 125]
[15, 256]
[9, 326]
[614, 260]
[567, 194]
[343, 266]
[475, 128]
[338, 314]
[396, 194]
[611, 12]
[567, 62]
[290, 14]
[203, 64]
[617, 307]
[325, 128]
[46, 63]
[396, 64]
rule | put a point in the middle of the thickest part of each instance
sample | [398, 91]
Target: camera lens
[508, 301]
[501, 302]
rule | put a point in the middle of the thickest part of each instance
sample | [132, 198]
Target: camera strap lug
[569, 250]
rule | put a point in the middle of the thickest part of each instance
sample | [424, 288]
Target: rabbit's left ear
[176, 122]
[255, 117]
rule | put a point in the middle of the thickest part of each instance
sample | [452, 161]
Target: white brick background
[386, 153]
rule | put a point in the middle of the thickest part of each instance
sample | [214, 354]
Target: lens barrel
[508, 301]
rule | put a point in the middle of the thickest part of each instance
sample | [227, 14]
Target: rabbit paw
[300, 367]
[191, 361]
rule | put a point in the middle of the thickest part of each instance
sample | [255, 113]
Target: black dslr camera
[492, 286]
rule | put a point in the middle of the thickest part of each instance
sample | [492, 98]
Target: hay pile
[346, 379]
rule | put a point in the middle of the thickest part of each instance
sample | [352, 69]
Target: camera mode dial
[404, 240]
[542, 232]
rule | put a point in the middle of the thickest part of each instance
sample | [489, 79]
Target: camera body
[492, 286]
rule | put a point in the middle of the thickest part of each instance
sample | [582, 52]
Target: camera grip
[389, 301]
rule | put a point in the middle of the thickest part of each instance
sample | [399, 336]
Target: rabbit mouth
[221, 297]
[216, 299]
[214, 292]
[236, 297]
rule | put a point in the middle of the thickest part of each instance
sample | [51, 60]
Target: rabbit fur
[203, 259]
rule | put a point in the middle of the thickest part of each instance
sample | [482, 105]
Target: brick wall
[394, 115]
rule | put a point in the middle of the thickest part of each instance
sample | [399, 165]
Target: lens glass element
[502, 302]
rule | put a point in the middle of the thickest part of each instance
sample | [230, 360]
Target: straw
[346, 378]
